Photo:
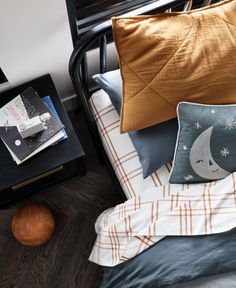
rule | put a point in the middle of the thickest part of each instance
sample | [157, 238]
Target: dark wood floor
[63, 261]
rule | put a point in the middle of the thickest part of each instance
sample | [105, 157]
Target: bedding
[206, 255]
[171, 57]
[142, 222]
[154, 145]
[205, 147]
[121, 151]
[226, 280]
[205, 201]
[130, 228]
[177, 260]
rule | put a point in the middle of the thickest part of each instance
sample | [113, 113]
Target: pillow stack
[155, 145]
[168, 58]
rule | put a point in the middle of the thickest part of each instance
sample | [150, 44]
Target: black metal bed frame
[78, 67]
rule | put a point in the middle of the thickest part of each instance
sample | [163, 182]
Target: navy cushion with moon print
[206, 143]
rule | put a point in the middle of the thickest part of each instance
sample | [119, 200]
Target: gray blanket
[176, 260]
[226, 280]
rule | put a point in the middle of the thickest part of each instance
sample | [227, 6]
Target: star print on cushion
[205, 147]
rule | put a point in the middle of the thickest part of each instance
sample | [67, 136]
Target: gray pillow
[154, 145]
[205, 147]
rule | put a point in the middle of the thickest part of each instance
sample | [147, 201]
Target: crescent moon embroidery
[201, 159]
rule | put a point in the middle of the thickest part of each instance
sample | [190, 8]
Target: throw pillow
[205, 147]
[172, 57]
[155, 145]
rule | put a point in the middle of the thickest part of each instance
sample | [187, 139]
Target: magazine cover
[26, 105]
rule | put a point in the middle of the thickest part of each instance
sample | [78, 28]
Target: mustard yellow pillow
[171, 57]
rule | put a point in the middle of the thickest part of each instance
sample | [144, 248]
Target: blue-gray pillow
[155, 145]
[205, 147]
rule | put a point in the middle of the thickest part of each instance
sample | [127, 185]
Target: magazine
[47, 100]
[27, 105]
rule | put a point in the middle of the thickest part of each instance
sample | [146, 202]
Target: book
[24, 106]
[47, 101]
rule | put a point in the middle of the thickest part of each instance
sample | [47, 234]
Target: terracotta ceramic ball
[33, 224]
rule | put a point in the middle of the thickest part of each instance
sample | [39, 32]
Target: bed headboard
[97, 37]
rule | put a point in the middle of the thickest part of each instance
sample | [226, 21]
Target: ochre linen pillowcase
[170, 57]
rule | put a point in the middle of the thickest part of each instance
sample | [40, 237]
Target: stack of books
[17, 112]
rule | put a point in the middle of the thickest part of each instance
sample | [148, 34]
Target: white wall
[35, 39]
[93, 59]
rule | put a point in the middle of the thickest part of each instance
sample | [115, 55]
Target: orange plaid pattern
[155, 208]
[121, 151]
[133, 226]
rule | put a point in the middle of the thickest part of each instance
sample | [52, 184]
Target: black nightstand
[50, 166]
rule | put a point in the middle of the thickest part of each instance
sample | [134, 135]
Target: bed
[202, 261]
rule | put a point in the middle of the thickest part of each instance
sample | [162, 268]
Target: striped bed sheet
[121, 151]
